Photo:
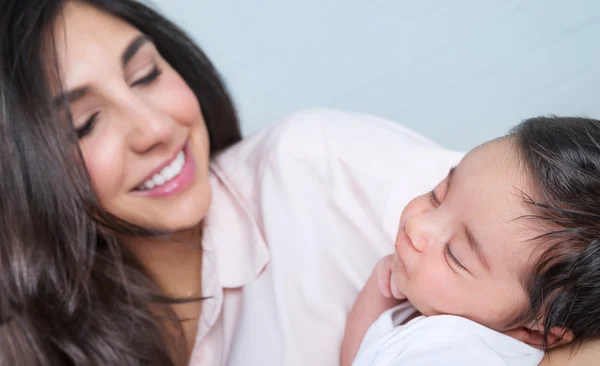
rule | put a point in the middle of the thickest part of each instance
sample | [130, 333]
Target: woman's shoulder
[587, 353]
[338, 155]
[334, 164]
[319, 133]
[304, 130]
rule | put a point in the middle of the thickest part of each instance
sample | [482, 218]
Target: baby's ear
[557, 336]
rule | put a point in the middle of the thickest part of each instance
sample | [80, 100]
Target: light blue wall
[460, 72]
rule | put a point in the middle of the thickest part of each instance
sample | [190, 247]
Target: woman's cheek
[177, 100]
[105, 168]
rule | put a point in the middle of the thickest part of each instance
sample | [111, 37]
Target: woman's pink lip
[177, 184]
[163, 165]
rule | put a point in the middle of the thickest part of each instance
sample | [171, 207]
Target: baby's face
[463, 248]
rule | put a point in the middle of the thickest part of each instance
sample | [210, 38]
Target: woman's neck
[174, 263]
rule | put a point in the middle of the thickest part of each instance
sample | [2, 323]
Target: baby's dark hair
[563, 157]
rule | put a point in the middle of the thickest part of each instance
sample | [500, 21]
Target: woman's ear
[557, 336]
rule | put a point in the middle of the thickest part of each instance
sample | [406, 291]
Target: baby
[500, 261]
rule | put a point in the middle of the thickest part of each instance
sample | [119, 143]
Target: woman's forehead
[88, 40]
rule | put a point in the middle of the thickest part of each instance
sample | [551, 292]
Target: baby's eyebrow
[476, 247]
[450, 174]
[474, 244]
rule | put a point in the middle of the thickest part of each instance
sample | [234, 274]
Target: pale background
[460, 72]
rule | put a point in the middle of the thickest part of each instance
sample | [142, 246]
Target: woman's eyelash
[87, 126]
[152, 75]
[452, 258]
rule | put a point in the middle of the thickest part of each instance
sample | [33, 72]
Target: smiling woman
[79, 247]
[134, 115]
[137, 229]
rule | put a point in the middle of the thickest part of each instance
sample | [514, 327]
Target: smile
[171, 177]
[167, 174]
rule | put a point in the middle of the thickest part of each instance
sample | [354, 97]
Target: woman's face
[141, 129]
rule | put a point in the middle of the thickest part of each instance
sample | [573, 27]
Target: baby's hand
[383, 271]
[378, 295]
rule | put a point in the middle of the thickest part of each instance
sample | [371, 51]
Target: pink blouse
[300, 213]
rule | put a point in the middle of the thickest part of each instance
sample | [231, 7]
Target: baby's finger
[384, 271]
[397, 294]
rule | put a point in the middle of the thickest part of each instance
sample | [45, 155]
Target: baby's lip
[398, 248]
[399, 259]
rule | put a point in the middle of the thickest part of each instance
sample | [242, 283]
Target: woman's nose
[148, 128]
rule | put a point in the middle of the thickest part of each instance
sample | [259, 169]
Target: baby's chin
[422, 307]
[426, 310]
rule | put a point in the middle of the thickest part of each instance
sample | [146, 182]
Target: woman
[133, 233]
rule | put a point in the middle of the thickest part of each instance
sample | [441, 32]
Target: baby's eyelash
[452, 258]
[434, 198]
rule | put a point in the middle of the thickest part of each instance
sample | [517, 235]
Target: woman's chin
[182, 219]
[171, 215]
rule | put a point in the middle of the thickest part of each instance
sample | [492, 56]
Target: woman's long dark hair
[70, 292]
[563, 156]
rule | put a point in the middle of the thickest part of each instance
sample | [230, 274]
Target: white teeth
[165, 175]
[149, 184]
[158, 179]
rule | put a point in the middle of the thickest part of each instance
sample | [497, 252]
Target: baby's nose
[419, 237]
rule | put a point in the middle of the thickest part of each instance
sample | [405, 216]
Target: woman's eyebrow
[70, 96]
[133, 47]
[130, 51]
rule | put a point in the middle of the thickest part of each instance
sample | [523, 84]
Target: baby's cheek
[438, 293]
[500, 305]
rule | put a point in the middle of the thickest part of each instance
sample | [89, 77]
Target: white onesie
[439, 340]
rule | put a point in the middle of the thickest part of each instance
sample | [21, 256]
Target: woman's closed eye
[87, 127]
[89, 124]
[148, 78]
